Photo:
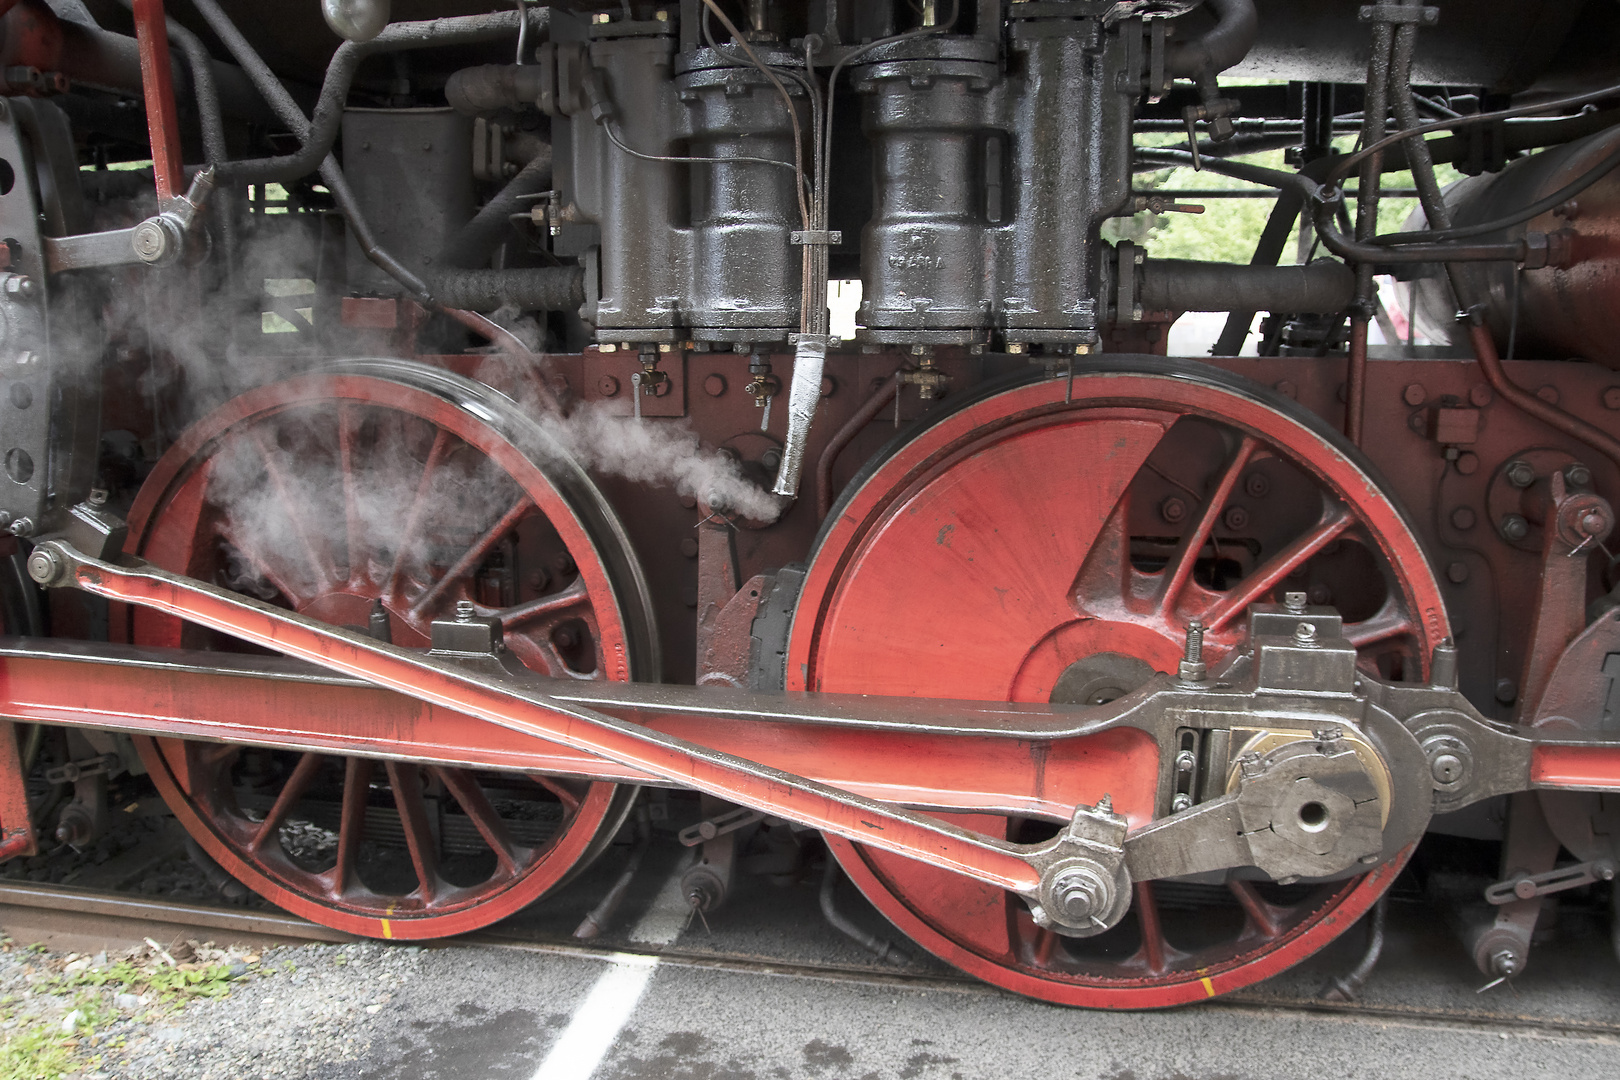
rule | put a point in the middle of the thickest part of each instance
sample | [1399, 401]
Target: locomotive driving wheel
[1022, 548]
[384, 495]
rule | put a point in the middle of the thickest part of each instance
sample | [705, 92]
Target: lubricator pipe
[328, 116]
[1237, 28]
[1324, 287]
[545, 288]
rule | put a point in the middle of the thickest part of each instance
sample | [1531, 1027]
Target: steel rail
[115, 907]
[526, 708]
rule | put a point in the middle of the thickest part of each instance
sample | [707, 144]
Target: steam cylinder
[1069, 108]
[642, 268]
[746, 273]
[923, 259]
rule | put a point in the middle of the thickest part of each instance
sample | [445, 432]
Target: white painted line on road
[607, 1008]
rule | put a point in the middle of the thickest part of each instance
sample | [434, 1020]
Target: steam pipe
[544, 288]
[290, 114]
[473, 242]
[322, 132]
[1237, 27]
[1323, 287]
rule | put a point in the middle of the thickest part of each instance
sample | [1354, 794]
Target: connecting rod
[525, 706]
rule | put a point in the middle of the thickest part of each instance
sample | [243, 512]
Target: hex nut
[1514, 527]
[1521, 474]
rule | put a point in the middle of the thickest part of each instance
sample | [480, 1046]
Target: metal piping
[1490, 365]
[331, 172]
[322, 131]
[1237, 28]
[544, 288]
[1323, 287]
[473, 242]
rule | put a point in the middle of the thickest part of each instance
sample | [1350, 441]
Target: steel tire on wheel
[372, 481]
[1017, 541]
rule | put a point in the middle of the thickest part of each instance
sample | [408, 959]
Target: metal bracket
[1408, 16]
[815, 237]
[156, 241]
[1530, 886]
[732, 820]
[74, 771]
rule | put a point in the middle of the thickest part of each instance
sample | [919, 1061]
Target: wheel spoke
[310, 548]
[569, 800]
[353, 525]
[1334, 521]
[413, 521]
[291, 792]
[1154, 947]
[1186, 555]
[351, 822]
[1391, 621]
[477, 806]
[412, 807]
[550, 607]
[1262, 916]
[474, 556]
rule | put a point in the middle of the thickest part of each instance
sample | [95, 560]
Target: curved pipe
[290, 114]
[846, 435]
[1237, 27]
[1490, 365]
[328, 117]
[473, 242]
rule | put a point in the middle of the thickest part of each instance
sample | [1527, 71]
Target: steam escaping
[295, 520]
[662, 454]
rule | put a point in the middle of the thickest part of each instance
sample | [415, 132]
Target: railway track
[34, 909]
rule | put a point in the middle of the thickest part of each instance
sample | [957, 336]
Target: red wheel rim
[438, 504]
[1021, 536]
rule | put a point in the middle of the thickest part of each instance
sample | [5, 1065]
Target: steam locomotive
[425, 430]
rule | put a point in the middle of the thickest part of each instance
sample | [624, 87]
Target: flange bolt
[1521, 474]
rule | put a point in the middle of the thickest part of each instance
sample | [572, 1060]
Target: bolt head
[1521, 474]
[45, 565]
[23, 526]
[1181, 802]
[1305, 634]
[1080, 894]
[1611, 398]
[464, 611]
[1578, 475]
[1446, 768]
[22, 286]
[150, 240]
[1514, 527]
[1173, 509]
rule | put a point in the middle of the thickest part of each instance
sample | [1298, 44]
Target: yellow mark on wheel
[1209, 987]
[388, 932]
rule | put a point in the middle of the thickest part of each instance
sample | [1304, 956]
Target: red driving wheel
[1022, 548]
[384, 494]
